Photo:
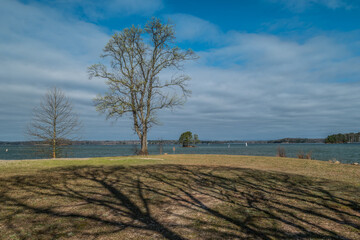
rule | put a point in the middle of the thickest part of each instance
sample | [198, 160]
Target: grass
[179, 197]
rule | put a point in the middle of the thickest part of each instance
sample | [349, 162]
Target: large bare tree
[138, 56]
[54, 121]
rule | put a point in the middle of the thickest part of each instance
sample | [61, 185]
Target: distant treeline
[19, 143]
[86, 142]
[152, 142]
[297, 140]
[90, 142]
[343, 138]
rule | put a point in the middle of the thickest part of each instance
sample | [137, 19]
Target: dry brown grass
[180, 197]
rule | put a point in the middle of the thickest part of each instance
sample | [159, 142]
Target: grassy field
[179, 197]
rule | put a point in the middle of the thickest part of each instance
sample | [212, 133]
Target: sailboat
[246, 144]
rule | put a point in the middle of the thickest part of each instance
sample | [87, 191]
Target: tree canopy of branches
[54, 122]
[138, 55]
[186, 138]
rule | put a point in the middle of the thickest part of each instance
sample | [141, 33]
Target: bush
[281, 152]
[302, 155]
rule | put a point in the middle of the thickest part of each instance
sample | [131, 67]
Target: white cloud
[301, 5]
[41, 48]
[254, 86]
[95, 9]
[191, 28]
[267, 86]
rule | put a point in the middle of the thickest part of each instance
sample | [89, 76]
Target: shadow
[176, 202]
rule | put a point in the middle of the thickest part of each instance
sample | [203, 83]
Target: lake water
[345, 153]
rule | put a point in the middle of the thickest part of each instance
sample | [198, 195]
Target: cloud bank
[302, 5]
[266, 86]
[245, 85]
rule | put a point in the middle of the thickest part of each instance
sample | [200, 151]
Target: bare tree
[54, 121]
[138, 55]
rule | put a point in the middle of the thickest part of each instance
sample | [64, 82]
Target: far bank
[345, 153]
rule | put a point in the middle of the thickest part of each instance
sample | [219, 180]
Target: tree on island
[138, 55]
[54, 122]
[186, 139]
[196, 139]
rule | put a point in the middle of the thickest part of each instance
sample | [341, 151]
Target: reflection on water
[345, 153]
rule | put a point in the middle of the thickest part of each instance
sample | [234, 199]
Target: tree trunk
[144, 146]
[54, 148]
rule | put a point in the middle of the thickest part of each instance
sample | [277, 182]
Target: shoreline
[149, 157]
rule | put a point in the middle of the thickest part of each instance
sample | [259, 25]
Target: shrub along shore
[179, 197]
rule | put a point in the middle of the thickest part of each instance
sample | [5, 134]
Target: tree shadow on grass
[176, 202]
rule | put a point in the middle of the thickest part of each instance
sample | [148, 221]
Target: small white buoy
[6, 150]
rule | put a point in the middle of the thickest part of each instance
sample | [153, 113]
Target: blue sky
[268, 69]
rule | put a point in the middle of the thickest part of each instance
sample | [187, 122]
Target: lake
[345, 153]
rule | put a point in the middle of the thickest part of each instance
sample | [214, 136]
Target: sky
[267, 69]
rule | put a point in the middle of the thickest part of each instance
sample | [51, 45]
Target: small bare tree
[138, 55]
[54, 121]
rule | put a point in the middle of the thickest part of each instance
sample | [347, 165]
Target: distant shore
[344, 153]
[150, 142]
[151, 157]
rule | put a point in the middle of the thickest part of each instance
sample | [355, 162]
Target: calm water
[345, 153]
